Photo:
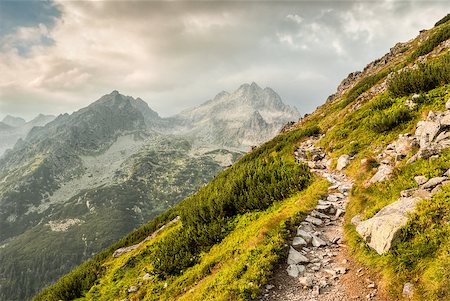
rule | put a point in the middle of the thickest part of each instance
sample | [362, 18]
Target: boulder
[384, 172]
[420, 180]
[433, 182]
[382, 230]
[314, 220]
[318, 242]
[342, 162]
[296, 257]
[426, 131]
[305, 235]
[294, 270]
[299, 241]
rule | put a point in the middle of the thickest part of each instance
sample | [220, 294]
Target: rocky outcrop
[431, 136]
[382, 230]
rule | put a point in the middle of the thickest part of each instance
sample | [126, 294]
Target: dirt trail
[318, 267]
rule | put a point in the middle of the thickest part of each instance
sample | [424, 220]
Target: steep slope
[378, 130]
[91, 177]
[244, 118]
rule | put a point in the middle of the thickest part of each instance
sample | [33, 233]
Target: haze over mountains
[14, 128]
[76, 183]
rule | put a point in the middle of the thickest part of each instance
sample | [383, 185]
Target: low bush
[422, 79]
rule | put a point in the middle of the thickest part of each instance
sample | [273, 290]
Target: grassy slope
[256, 183]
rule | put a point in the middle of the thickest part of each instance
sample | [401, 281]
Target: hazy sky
[58, 56]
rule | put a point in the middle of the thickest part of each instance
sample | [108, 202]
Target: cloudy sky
[58, 56]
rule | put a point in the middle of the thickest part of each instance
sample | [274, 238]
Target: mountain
[13, 121]
[247, 117]
[372, 223]
[84, 180]
[14, 128]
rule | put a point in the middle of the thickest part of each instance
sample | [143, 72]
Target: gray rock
[317, 241]
[305, 235]
[317, 214]
[420, 180]
[342, 162]
[314, 220]
[382, 230]
[296, 257]
[339, 212]
[426, 131]
[299, 241]
[384, 172]
[306, 281]
[323, 208]
[147, 276]
[408, 290]
[433, 182]
[294, 270]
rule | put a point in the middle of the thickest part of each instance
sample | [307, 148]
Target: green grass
[421, 256]
[234, 269]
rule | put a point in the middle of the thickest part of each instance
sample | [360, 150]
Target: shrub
[443, 20]
[435, 39]
[426, 77]
[384, 121]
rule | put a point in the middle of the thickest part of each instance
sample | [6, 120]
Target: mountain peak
[13, 121]
[249, 87]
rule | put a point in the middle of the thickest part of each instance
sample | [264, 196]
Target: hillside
[386, 129]
[76, 185]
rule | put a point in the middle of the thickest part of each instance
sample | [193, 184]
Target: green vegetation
[362, 86]
[267, 175]
[443, 20]
[433, 40]
[422, 79]
[423, 253]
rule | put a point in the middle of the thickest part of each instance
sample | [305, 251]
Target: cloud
[178, 54]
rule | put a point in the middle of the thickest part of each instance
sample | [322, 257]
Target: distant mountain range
[14, 128]
[72, 185]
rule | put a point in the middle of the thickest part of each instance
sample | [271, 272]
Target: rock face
[247, 117]
[382, 230]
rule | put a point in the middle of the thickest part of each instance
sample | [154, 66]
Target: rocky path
[317, 266]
